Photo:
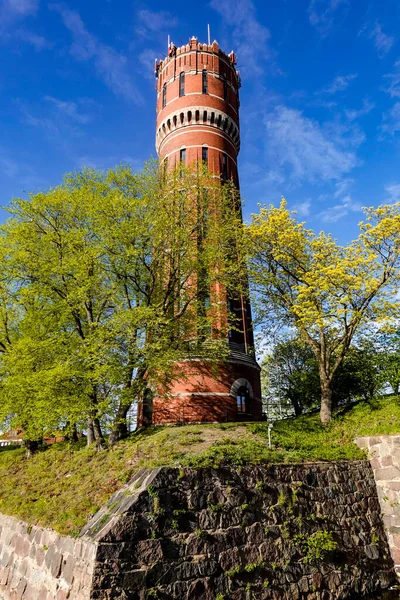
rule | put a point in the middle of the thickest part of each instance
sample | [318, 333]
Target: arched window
[164, 95]
[242, 400]
[204, 155]
[182, 84]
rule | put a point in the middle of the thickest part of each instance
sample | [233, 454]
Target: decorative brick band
[199, 115]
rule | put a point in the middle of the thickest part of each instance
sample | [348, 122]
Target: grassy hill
[63, 485]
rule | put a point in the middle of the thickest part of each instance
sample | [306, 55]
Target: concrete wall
[384, 454]
[229, 533]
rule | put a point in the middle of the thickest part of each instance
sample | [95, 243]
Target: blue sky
[320, 97]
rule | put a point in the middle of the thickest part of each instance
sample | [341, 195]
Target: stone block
[21, 588]
[387, 474]
[230, 559]
[66, 545]
[372, 551]
[4, 575]
[67, 569]
[30, 592]
[200, 590]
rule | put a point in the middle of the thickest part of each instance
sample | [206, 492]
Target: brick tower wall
[198, 120]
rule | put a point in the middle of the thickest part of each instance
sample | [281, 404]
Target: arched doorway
[242, 391]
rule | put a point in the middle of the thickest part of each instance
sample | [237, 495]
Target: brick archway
[241, 382]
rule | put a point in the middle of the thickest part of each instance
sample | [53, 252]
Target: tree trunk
[31, 446]
[298, 409]
[120, 427]
[98, 435]
[71, 433]
[147, 408]
[90, 431]
[95, 434]
[326, 399]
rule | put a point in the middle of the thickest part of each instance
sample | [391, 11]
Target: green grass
[62, 486]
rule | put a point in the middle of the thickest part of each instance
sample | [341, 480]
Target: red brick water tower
[198, 120]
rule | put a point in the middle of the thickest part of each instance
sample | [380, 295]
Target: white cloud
[345, 134]
[68, 109]
[393, 192]
[340, 210]
[303, 208]
[340, 83]
[391, 120]
[146, 59]
[342, 187]
[14, 9]
[249, 35]
[29, 37]
[382, 41]
[150, 22]
[393, 87]
[59, 121]
[20, 169]
[301, 144]
[353, 114]
[323, 13]
[153, 26]
[9, 167]
[110, 66]
[12, 12]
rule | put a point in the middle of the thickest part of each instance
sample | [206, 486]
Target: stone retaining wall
[283, 532]
[384, 453]
[236, 534]
[38, 564]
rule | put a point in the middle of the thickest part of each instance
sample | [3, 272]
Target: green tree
[290, 374]
[324, 290]
[111, 281]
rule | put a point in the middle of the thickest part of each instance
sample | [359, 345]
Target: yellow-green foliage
[324, 290]
[62, 486]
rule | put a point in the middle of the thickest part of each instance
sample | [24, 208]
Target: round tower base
[208, 393]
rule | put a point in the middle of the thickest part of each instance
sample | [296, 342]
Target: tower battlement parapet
[209, 53]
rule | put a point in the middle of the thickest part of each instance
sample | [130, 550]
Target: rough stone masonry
[310, 531]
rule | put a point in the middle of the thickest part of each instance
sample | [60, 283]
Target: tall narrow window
[164, 95]
[182, 84]
[182, 155]
[204, 154]
[242, 399]
[225, 89]
[224, 173]
[205, 82]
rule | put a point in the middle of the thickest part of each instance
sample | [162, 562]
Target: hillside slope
[62, 485]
